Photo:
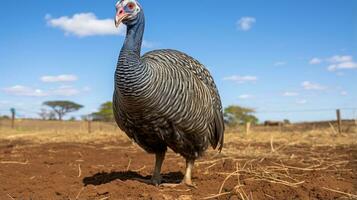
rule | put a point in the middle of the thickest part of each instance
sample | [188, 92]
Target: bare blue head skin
[130, 13]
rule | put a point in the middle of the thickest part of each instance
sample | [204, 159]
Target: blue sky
[287, 59]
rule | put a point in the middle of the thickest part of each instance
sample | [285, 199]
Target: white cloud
[280, 63]
[85, 24]
[59, 78]
[20, 90]
[307, 85]
[246, 23]
[337, 62]
[301, 101]
[341, 62]
[241, 79]
[315, 61]
[340, 59]
[343, 65]
[64, 91]
[291, 94]
[344, 93]
[245, 96]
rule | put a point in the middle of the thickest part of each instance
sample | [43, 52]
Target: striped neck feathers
[130, 52]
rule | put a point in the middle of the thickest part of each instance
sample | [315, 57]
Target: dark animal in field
[273, 123]
[165, 98]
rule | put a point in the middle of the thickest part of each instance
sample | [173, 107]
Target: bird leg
[187, 180]
[156, 177]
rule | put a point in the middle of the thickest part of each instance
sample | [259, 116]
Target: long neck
[129, 67]
[134, 35]
[130, 52]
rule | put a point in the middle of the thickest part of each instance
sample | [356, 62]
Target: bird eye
[131, 6]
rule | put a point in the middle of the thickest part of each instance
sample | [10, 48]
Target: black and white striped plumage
[170, 100]
[164, 98]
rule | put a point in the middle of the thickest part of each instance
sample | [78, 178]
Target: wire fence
[280, 119]
[35, 125]
[346, 122]
[299, 115]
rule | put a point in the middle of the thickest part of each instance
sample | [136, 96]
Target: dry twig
[12, 198]
[128, 167]
[263, 174]
[15, 162]
[138, 170]
[333, 128]
[79, 193]
[311, 168]
[224, 182]
[340, 192]
[207, 168]
[210, 162]
[269, 196]
[216, 195]
[241, 192]
[79, 170]
[272, 144]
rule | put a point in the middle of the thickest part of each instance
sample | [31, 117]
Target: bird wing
[179, 61]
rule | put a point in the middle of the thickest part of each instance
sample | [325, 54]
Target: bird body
[164, 98]
[170, 101]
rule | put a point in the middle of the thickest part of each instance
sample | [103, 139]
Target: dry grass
[57, 132]
[274, 146]
[65, 131]
[76, 132]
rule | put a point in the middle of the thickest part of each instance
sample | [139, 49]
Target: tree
[61, 108]
[4, 117]
[287, 122]
[235, 115]
[105, 113]
[44, 114]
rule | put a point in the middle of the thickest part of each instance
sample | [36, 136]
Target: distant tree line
[234, 115]
[58, 109]
[105, 113]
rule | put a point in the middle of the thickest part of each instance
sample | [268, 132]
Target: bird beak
[120, 16]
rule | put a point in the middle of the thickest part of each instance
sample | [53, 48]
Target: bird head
[127, 12]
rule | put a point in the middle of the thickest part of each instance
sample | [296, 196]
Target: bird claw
[174, 185]
[160, 182]
[189, 184]
[156, 181]
[143, 180]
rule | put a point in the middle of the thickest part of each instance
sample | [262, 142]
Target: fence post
[247, 128]
[13, 112]
[355, 119]
[89, 125]
[339, 120]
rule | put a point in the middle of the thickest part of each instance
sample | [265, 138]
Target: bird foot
[160, 182]
[155, 182]
[189, 184]
[183, 183]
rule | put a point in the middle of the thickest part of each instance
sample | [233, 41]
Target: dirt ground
[110, 170]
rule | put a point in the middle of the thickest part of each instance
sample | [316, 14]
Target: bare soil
[111, 171]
